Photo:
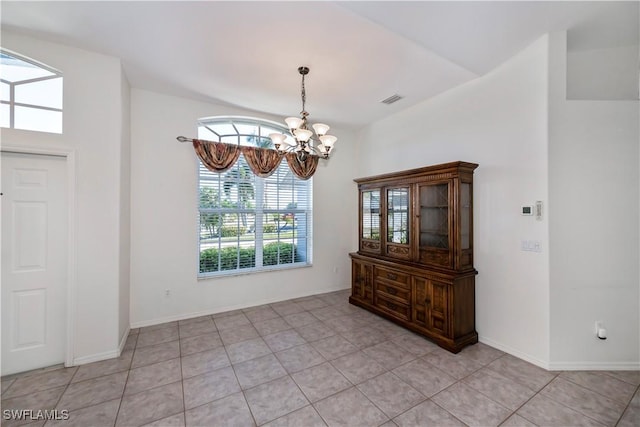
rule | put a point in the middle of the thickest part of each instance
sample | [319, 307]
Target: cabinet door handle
[391, 305]
[392, 276]
[427, 301]
[391, 291]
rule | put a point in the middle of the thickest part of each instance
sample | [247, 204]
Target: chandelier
[305, 142]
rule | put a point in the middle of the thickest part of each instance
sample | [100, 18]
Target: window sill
[233, 273]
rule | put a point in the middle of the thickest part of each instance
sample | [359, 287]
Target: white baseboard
[105, 355]
[594, 366]
[563, 366]
[160, 320]
[123, 341]
[96, 357]
[544, 364]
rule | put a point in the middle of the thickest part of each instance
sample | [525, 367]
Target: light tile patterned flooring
[316, 361]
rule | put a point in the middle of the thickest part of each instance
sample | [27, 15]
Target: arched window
[30, 94]
[248, 223]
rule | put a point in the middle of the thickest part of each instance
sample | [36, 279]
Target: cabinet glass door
[434, 216]
[434, 227]
[398, 216]
[465, 216]
[371, 214]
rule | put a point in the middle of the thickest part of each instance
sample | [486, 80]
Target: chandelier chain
[304, 95]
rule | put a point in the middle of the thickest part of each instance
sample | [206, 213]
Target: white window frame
[206, 130]
[12, 87]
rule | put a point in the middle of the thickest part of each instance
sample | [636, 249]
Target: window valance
[220, 156]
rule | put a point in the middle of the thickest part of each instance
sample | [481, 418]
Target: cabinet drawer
[393, 292]
[393, 307]
[395, 277]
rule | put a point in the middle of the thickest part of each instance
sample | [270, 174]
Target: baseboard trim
[123, 341]
[512, 351]
[96, 357]
[157, 321]
[562, 366]
[594, 366]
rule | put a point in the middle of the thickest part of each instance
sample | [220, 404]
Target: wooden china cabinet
[414, 263]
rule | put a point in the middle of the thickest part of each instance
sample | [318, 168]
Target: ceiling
[246, 54]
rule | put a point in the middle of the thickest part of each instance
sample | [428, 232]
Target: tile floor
[316, 361]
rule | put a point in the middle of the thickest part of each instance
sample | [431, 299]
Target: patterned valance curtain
[216, 156]
[219, 157]
[304, 168]
[263, 162]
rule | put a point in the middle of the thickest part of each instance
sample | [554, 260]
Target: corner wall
[125, 212]
[500, 122]
[594, 186]
[164, 220]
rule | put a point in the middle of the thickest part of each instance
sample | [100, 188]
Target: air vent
[391, 99]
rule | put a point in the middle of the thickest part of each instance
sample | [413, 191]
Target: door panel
[34, 261]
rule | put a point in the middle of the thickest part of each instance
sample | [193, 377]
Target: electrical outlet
[167, 293]
[601, 331]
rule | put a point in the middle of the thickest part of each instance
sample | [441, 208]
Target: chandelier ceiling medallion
[304, 142]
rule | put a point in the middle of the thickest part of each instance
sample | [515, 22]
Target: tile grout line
[444, 409]
[237, 380]
[184, 403]
[62, 394]
[133, 353]
[459, 381]
[532, 397]
[627, 406]
[573, 409]
[595, 391]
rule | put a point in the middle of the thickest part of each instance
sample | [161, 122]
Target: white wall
[500, 122]
[92, 126]
[164, 233]
[603, 74]
[594, 187]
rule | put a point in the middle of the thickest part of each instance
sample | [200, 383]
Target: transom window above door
[30, 94]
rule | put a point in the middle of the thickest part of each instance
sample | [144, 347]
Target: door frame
[71, 291]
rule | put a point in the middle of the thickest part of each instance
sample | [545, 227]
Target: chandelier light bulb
[328, 141]
[302, 135]
[320, 128]
[290, 140]
[293, 122]
[278, 140]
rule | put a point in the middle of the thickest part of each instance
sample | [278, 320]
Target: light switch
[531, 245]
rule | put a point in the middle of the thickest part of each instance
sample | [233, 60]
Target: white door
[34, 261]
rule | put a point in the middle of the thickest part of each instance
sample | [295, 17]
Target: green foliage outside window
[214, 259]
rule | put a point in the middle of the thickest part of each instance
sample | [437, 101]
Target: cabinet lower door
[361, 281]
[430, 305]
